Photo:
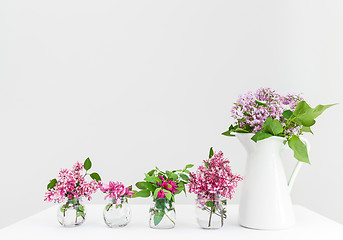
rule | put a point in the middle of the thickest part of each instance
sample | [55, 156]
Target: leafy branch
[303, 116]
[149, 186]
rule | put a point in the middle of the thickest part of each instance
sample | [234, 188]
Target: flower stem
[169, 218]
[209, 210]
[210, 219]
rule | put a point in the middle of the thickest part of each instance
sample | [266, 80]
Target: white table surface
[44, 225]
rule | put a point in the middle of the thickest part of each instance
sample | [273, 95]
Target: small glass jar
[162, 214]
[210, 212]
[71, 213]
[117, 214]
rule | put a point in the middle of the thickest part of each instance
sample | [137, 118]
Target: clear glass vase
[71, 213]
[117, 214]
[210, 212]
[162, 214]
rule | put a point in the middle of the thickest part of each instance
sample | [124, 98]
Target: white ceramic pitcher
[265, 200]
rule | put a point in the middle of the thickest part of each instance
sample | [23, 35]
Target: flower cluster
[167, 185]
[163, 185]
[252, 109]
[116, 191]
[214, 179]
[71, 184]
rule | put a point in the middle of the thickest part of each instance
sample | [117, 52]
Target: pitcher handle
[298, 165]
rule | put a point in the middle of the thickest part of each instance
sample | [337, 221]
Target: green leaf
[143, 193]
[150, 187]
[306, 129]
[87, 164]
[305, 121]
[241, 120]
[318, 110]
[52, 184]
[273, 127]
[302, 108]
[260, 103]
[95, 176]
[228, 132]
[141, 185]
[156, 192]
[173, 176]
[180, 188]
[209, 204]
[184, 177]
[160, 204]
[151, 172]
[260, 135]
[248, 128]
[108, 206]
[287, 114]
[210, 155]
[305, 115]
[151, 179]
[158, 218]
[189, 165]
[241, 130]
[168, 194]
[80, 208]
[64, 208]
[299, 148]
[79, 214]
[168, 174]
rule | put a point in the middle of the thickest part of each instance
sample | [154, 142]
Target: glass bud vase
[71, 213]
[162, 214]
[117, 213]
[210, 213]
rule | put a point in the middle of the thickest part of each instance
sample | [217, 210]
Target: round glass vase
[117, 214]
[71, 213]
[210, 213]
[162, 214]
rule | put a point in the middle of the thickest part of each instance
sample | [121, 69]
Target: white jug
[265, 200]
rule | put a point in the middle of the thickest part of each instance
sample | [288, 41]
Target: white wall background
[134, 84]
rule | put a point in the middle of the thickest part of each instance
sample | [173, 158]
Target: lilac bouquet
[213, 182]
[117, 192]
[70, 188]
[266, 113]
[117, 212]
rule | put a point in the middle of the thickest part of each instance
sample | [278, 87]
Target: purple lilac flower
[252, 109]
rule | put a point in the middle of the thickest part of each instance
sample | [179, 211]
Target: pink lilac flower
[72, 184]
[214, 179]
[252, 109]
[116, 190]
